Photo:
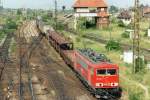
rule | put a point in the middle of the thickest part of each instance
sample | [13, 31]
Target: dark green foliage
[81, 22]
[113, 45]
[60, 26]
[19, 12]
[9, 30]
[146, 33]
[139, 63]
[45, 18]
[113, 9]
[89, 24]
[2, 34]
[121, 24]
[130, 26]
[125, 34]
[11, 24]
[113, 20]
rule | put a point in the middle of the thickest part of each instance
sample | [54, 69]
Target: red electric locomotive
[98, 72]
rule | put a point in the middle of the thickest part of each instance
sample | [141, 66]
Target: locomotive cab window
[106, 72]
[101, 72]
[111, 71]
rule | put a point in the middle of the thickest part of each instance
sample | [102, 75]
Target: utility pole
[55, 14]
[149, 21]
[1, 4]
[136, 38]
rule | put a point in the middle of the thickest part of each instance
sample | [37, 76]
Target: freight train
[96, 72]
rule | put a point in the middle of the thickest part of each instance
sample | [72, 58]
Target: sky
[49, 4]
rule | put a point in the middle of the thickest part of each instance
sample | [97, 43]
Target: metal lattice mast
[136, 38]
[55, 14]
[1, 4]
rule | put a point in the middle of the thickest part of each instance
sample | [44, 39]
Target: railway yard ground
[89, 50]
[33, 69]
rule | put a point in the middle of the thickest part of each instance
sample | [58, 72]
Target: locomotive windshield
[106, 72]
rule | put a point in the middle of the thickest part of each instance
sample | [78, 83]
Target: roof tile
[90, 3]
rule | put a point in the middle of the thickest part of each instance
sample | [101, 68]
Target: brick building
[96, 9]
[146, 12]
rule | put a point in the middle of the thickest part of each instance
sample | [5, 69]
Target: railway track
[62, 83]
[54, 73]
[25, 85]
[4, 53]
[6, 69]
[24, 65]
[145, 52]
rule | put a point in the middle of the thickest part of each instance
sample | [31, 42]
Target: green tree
[121, 24]
[19, 12]
[11, 24]
[113, 9]
[63, 8]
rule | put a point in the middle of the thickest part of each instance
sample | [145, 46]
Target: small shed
[128, 57]
[146, 12]
[148, 65]
[131, 32]
[148, 32]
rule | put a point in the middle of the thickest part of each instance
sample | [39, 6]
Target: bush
[146, 34]
[139, 62]
[11, 24]
[81, 22]
[125, 34]
[113, 45]
[129, 26]
[121, 24]
[113, 20]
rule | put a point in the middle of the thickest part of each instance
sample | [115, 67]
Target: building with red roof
[146, 12]
[92, 8]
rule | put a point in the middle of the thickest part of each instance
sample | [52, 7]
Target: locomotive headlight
[114, 84]
[99, 84]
